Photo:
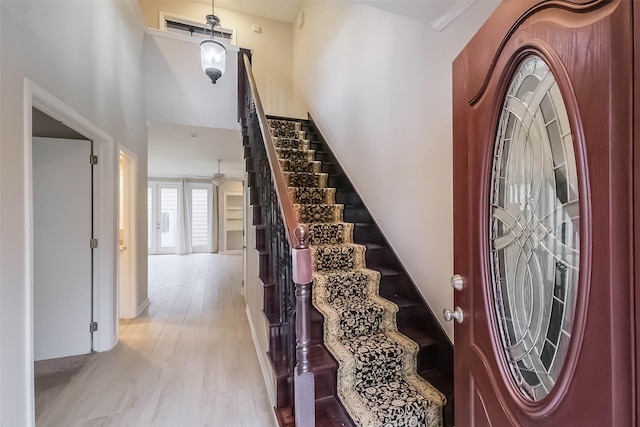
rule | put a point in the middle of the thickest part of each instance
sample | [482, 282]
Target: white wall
[88, 55]
[178, 91]
[272, 47]
[379, 86]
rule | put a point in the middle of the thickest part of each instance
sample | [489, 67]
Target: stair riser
[282, 393]
[367, 234]
[254, 196]
[250, 165]
[348, 198]
[398, 284]
[317, 330]
[380, 257]
[251, 179]
[406, 317]
[338, 182]
[264, 267]
[325, 383]
[358, 215]
[324, 157]
[270, 307]
[330, 169]
[257, 214]
[428, 357]
[261, 240]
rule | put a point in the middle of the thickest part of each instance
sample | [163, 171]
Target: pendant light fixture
[212, 52]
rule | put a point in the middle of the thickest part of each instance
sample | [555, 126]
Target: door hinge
[93, 326]
[93, 159]
[93, 243]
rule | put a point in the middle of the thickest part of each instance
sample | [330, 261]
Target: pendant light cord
[213, 23]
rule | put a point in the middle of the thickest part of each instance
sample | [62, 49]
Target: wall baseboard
[265, 366]
[142, 307]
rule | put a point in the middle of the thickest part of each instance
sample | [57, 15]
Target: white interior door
[62, 255]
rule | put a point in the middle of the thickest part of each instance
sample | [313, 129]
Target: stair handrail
[288, 214]
[298, 237]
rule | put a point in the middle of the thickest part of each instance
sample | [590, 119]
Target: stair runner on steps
[377, 380]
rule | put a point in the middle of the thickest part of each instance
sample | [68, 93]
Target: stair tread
[280, 367]
[320, 358]
[329, 413]
[387, 271]
[422, 338]
[401, 301]
[374, 246]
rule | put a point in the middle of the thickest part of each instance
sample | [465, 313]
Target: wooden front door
[543, 216]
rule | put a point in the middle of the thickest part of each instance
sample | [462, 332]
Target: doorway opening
[101, 259]
[127, 232]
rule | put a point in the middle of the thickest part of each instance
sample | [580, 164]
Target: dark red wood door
[543, 217]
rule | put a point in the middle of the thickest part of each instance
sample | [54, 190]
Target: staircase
[360, 291]
[414, 319]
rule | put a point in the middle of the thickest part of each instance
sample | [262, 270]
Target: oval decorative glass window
[534, 229]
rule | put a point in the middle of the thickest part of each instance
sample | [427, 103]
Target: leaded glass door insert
[534, 231]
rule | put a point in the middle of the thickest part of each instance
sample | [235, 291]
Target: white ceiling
[174, 152]
[426, 11]
[280, 10]
[287, 10]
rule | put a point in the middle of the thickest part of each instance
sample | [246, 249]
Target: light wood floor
[189, 360]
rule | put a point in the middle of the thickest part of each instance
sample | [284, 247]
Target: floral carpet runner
[377, 379]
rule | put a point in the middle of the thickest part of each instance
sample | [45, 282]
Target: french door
[179, 223]
[200, 204]
[543, 211]
[163, 200]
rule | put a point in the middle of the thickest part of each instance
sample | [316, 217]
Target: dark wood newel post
[304, 378]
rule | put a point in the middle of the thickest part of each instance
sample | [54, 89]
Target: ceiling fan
[219, 178]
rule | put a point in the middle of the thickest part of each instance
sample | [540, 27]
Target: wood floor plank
[188, 360]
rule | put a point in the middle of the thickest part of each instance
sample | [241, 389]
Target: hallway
[188, 360]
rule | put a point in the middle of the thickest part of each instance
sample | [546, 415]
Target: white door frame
[157, 185]
[105, 226]
[128, 285]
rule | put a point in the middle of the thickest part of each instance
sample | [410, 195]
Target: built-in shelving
[233, 221]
